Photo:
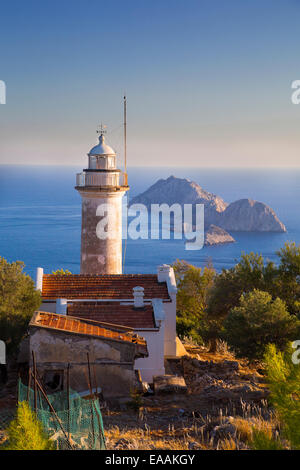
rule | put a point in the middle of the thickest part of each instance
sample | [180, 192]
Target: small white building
[144, 302]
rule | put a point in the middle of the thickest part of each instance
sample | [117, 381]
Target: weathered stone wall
[101, 256]
[112, 362]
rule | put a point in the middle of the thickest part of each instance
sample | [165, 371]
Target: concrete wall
[112, 361]
[154, 363]
[101, 256]
[170, 328]
[166, 273]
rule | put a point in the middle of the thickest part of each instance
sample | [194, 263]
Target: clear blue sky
[208, 81]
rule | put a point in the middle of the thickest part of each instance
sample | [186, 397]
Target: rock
[181, 191]
[224, 431]
[217, 236]
[194, 446]
[233, 365]
[123, 444]
[245, 215]
[169, 384]
[219, 393]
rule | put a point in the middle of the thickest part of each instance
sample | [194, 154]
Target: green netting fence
[77, 422]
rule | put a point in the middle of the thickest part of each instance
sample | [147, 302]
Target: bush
[62, 272]
[25, 432]
[18, 301]
[193, 286]
[284, 383]
[257, 322]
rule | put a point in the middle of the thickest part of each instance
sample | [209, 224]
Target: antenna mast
[125, 140]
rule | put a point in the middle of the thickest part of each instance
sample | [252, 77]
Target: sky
[208, 82]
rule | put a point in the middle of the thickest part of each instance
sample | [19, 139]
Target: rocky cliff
[217, 236]
[244, 215]
[182, 191]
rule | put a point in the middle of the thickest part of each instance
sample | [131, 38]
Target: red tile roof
[79, 326]
[114, 312]
[105, 286]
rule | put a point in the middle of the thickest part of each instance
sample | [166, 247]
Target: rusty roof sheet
[114, 312]
[90, 328]
[102, 286]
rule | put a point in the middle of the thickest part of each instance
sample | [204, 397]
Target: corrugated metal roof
[90, 328]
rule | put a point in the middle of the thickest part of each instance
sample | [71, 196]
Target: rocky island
[243, 215]
[217, 236]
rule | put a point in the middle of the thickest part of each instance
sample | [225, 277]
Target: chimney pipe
[39, 279]
[61, 306]
[138, 297]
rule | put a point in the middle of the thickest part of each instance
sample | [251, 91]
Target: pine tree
[25, 432]
[283, 376]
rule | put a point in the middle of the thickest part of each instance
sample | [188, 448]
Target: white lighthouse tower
[101, 187]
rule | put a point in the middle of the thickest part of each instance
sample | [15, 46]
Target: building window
[54, 380]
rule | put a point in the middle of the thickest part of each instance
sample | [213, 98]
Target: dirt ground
[225, 397]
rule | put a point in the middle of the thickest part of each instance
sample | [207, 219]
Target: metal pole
[68, 392]
[95, 379]
[125, 136]
[91, 392]
[35, 380]
[29, 384]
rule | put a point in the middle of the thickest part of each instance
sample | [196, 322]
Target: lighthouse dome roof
[102, 148]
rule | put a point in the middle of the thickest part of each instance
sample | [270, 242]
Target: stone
[233, 365]
[169, 384]
[194, 446]
[244, 215]
[123, 444]
[223, 431]
[217, 236]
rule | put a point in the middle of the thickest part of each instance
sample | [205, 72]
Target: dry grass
[139, 439]
[228, 444]
[188, 433]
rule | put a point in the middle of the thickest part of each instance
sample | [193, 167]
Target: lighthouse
[101, 187]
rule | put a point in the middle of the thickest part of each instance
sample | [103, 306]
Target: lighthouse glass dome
[102, 170]
[102, 156]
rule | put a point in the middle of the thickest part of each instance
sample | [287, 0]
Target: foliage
[25, 432]
[18, 301]
[287, 282]
[193, 286]
[253, 272]
[62, 272]
[259, 321]
[284, 383]
[261, 440]
[205, 299]
[283, 375]
[250, 273]
[136, 399]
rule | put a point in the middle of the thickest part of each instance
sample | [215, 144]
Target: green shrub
[284, 383]
[25, 432]
[193, 286]
[257, 322]
[18, 301]
[261, 440]
[62, 272]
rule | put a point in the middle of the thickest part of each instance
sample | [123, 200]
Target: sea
[40, 216]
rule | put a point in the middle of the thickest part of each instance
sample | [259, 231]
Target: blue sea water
[40, 216]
